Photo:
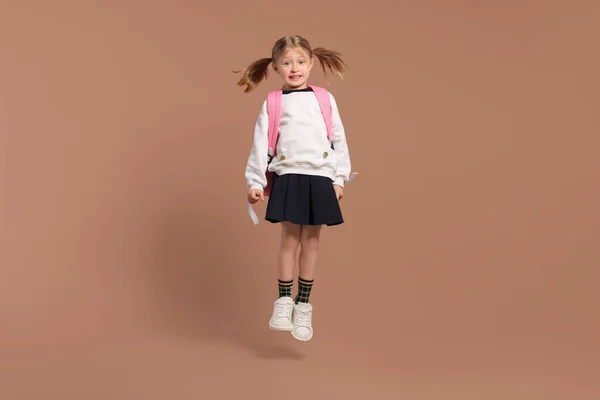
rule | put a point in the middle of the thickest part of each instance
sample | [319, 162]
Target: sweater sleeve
[256, 167]
[340, 146]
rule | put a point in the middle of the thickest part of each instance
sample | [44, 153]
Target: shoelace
[303, 318]
[283, 310]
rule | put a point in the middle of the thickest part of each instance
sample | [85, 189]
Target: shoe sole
[301, 338]
[280, 328]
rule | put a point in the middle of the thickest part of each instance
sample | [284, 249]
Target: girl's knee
[290, 238]
[290, 243]
[310, 236]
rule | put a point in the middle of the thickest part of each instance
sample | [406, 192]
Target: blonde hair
[256, 72]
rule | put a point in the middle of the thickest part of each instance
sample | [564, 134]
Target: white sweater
[302, 147]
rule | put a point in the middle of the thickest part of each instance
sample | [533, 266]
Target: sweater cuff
[257, 186]
[339, 181]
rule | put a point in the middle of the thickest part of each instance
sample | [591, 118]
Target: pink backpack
[274, 102]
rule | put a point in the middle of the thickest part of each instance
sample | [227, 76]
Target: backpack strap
[325, 104]
[274, 103]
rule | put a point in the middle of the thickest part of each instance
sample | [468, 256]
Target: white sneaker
[302, 322]
[281, 319]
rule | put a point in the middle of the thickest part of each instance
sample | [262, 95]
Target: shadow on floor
[206, 289]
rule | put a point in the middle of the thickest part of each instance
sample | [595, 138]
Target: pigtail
[254, 73]
[330, 60]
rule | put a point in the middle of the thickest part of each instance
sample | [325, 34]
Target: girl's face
[294, 67]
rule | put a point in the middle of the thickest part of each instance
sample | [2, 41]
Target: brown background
[468, 264]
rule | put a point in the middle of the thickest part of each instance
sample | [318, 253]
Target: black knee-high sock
[304, 288]
[285, 288]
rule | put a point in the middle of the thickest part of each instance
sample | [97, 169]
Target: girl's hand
[339, 191]
[254, 195]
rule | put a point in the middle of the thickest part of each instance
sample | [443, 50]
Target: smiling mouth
[295, 76]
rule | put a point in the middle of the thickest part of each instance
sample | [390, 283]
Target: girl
[309, 172]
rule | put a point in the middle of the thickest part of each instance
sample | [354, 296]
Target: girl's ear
[274, 66]
[312, 62]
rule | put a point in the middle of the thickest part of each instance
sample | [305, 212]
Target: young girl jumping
[308, 172]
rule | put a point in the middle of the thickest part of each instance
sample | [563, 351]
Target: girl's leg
[290, 239]
[302, 317]
[309, 243]
[281, 319]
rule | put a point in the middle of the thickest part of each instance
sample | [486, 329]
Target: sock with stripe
[304, 289]
[285, 288]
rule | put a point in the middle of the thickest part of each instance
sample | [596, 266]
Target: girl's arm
[257, 160]
[340, 145]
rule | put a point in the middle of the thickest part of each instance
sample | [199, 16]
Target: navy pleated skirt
[304, 200]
